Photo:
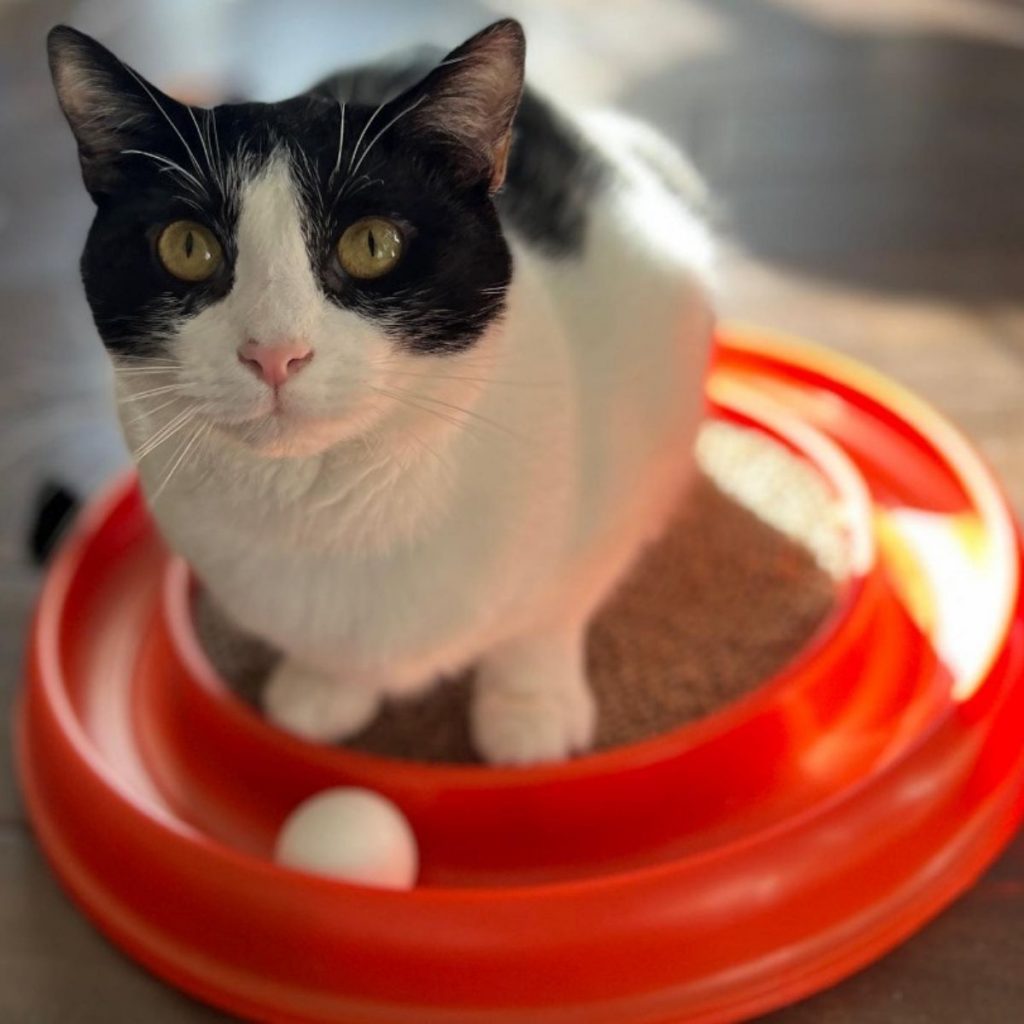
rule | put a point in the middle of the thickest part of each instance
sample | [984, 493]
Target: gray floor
[868, 159]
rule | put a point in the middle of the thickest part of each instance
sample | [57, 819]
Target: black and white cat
[411, 366]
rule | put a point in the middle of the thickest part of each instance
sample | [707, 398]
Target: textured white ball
[352, 834]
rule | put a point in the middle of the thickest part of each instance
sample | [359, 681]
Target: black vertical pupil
[372, 243]
[189, 245]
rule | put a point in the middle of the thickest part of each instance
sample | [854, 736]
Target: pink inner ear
[500, 162]
[473, 94]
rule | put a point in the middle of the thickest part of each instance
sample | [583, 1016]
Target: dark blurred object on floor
[55, 510]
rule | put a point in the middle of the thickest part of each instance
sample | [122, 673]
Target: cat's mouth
[281, 432]
[267, 431]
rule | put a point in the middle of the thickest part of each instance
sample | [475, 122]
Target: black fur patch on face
[448, 287]
[554, 174]
[418, 142]
[450, 283]
[136, 303]
[148, 160]
[142, 173]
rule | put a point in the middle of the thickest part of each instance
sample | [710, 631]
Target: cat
[411, 366]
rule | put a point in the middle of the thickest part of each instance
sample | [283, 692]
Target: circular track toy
[714, 872]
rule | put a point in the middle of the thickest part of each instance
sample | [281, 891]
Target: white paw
[315, 706]
[519, 727]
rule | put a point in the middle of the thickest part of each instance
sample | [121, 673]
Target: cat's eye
[189, 251]
[370, 247]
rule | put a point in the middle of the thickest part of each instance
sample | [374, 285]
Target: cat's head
[289, 271]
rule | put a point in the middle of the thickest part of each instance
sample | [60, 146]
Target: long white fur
[406, 516]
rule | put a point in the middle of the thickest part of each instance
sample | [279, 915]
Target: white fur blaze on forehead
[275, 285]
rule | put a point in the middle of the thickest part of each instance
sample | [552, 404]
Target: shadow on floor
[888, 159]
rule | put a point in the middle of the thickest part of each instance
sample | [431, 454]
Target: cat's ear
[109, 107]
[471, 98]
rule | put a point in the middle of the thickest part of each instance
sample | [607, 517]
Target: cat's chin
[280, 437]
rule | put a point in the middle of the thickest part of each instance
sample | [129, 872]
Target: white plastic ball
[351, 834]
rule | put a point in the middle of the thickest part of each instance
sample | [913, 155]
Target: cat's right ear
[470, 100]
[109, 107]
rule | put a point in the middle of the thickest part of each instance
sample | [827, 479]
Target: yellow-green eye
[189, 251]
[370, 247]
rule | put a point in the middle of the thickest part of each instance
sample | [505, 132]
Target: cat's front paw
[315, 706]
[530, 726]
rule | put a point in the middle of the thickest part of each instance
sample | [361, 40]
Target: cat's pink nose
[276, 362]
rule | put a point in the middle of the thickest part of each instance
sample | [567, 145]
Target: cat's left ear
[109, 107]
[470, 100]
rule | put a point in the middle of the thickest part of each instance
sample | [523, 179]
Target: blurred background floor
[868, 159]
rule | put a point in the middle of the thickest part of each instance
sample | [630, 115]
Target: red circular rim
[49, 729]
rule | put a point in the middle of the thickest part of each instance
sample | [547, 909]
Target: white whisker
[192, 203]
[477, 380]
[150, 412]
[363, 133]
[347, 192]
[407, 399]
[200, 432]
[164, 389]
[415, 438]
[166, 116]
[460, 411]
[156, 368]
[169, 165]
[218, 151]
[167, 431]
[374, 140]
[202, 141]
[341, 143]
[212, 151]
[134, 375]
